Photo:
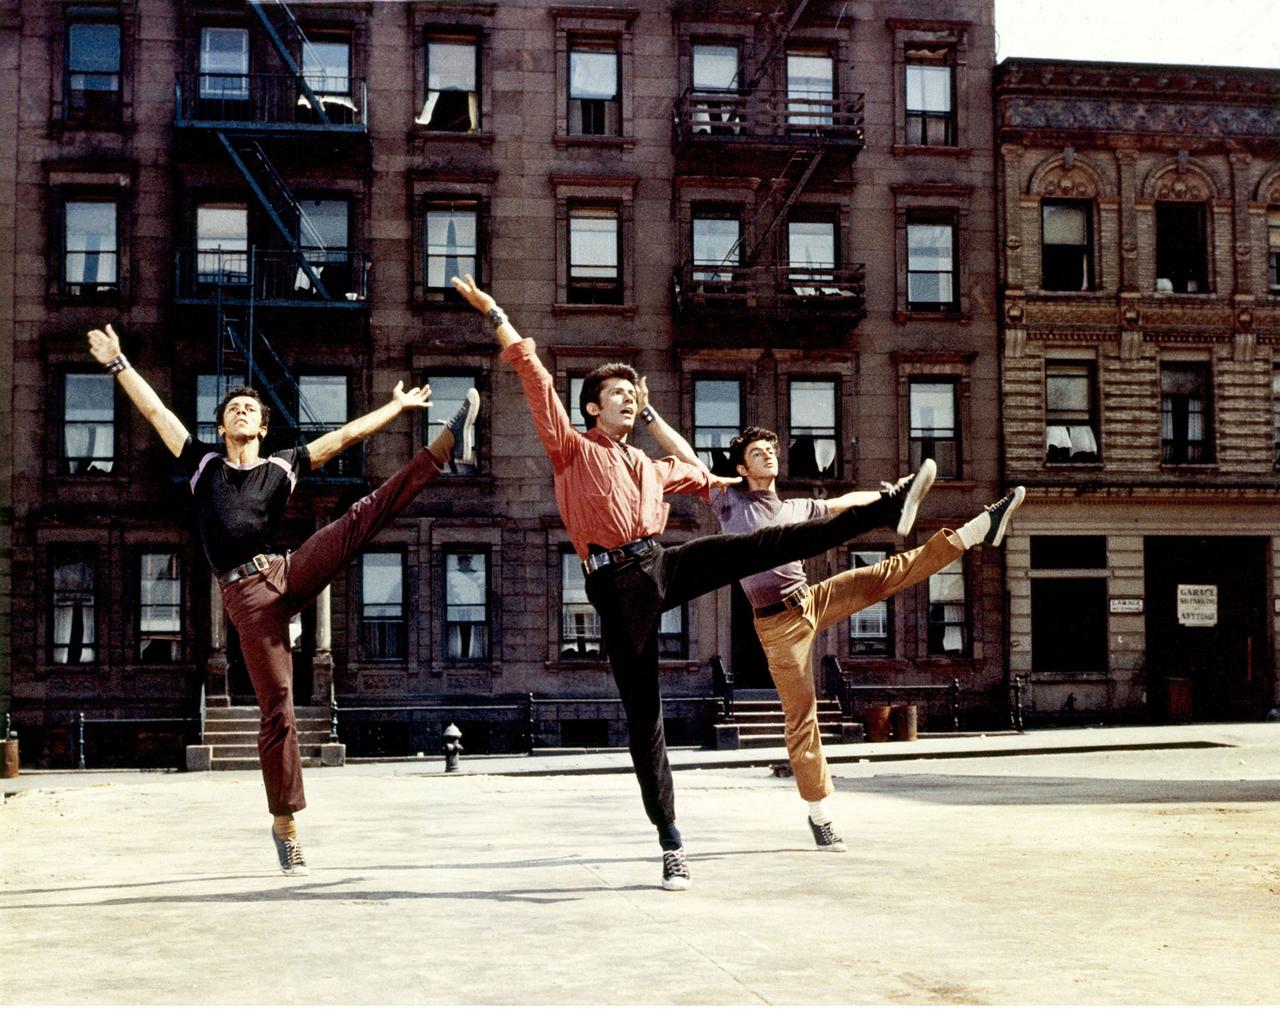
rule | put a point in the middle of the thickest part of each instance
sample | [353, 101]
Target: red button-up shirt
[609, 493]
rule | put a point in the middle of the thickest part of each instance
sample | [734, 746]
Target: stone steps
[232, 734]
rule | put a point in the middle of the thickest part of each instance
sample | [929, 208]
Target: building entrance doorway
[1206, 623]
[748, 664]
[302, 637]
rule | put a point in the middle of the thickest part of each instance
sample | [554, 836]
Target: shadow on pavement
[1030, 790]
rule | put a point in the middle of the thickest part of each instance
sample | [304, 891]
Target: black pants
[631, 596]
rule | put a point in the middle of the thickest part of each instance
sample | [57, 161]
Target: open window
[453, 84]
[383, 627]
[90, 247]
[91, 82]
[935, 430]
[595, 106]
[1066, 249]
[813, 451]
[1182, 251]
[88, 424]
[930, 95]
[717, 418]
[466, 604]
[1070, 412]
[595, 256]
[1186, 417]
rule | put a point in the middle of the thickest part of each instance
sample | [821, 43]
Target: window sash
[934, 429]
[448, 390]
[92, 64]
[452, 232]
[580, 631]
[160, 607]
[224, 63]
[72, 633]
[717, 418]
[811, 246]
[453, 92]
[593, 74]
[813, 448]
[326, 67]
[1181, 247]
[930, 264]
[90, 243]
[948, 631]
[382, 607]
[811, 88]
[466, 608]
[1070, 423]
[88, 423]
[715, 68]
[595, 254]
[871, 629]
[1184, 414]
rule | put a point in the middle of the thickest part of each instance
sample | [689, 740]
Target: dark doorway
[1217, 639]
[748, 664]
[241, 687]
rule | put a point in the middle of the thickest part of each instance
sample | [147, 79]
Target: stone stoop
[231, 739]
[761, 724]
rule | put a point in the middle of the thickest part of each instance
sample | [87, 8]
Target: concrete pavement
[1087, 866]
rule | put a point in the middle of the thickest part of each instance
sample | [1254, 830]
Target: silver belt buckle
[259, 563]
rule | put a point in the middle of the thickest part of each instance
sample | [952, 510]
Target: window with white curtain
[71, 620]
[452, 229]
[466, 605]
[160, 607]
[88, 423]
[580, 636]
[453, 91]
[811, 87]
[871, 629]
[575, 412]
[594, 92]
[930, 108]
[383, 632]
[717, 418]
[326, 67]
[1070, 432]
[813, 443]
[948, 621]
[715, 73]
[90, 247]
[595, 256]
[1185, 414]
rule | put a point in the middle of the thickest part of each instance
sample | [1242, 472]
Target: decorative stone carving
[1242, 347]
[1180, 187]
[1242, 250]
[1244, 320]
[1014, 313]
[1133, 116]
[1130, 317]
[1013, 243]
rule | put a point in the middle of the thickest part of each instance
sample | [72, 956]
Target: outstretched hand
[466, 287]
[418, 396]
[104, 346]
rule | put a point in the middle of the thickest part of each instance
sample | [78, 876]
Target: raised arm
[105, 348]
[673, 442]
[332, 443]
[487, 304]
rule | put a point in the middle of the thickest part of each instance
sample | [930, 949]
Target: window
[160, 608]
[1068, 613]
[323, 234]
[466, 605]
[90, 246]
[948, 629]
[930, 108]
[813, 445]
[579, 623]
[595, 254]
[1273, 250]
[871, 629]
[575, 412]
[71, 622]
[715, 72]
[210, 389]
[717, 246]
[594, 102]
[92, 69]
[1275, 412]
[672, 644]
[453, 96]
[811, 254]
[222, 244]
[224, 64]
[322, 407]
[1070, 417]
[934, 432]
[811, 88]
[931, 256]
[382, 620]
[1181, 248]
[717, 418]
[326, 67]
[447, 394]
[88, 423]
[1066, 260]
[451, 243]
[1185, 419]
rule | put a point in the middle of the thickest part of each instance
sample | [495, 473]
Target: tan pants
[788, 637]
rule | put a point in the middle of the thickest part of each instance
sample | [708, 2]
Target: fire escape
[789, 138]
[243, 119]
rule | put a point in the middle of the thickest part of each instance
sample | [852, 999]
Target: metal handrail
[278, 100]
[727, 116]
[271, 275]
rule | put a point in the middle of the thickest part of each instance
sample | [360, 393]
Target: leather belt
[258, 563]
[597, 560]
[793, 599]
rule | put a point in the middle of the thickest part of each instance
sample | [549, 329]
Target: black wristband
[648, 415]
[117, 365]
[496, 316]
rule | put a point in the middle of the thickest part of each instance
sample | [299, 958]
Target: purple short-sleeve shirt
[742, 512]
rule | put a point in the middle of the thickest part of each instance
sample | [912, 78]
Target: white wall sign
[1126, 605]
[1197, 605]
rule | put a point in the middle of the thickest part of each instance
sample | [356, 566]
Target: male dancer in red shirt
[240, 497]
[610, 498]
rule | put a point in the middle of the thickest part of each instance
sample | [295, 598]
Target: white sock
[976, 529]
[818, 813]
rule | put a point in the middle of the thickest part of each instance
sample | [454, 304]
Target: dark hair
[242, 391]
[594, 379]
[739, 443]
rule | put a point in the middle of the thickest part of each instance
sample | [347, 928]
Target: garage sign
[1197, 605]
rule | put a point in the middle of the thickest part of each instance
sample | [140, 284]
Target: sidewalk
[1136, 865]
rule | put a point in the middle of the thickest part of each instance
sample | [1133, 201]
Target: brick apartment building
[1140, 210]
[783, 214]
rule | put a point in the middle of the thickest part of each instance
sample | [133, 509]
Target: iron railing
[770, 289]
[716, 117]
[271, 276]
[270, 100]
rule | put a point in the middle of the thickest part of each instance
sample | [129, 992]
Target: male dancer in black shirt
[240, 497]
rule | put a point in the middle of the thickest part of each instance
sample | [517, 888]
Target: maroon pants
[260, 608]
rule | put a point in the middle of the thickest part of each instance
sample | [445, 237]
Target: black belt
[793, 599]
[597, 560]
[252, 567]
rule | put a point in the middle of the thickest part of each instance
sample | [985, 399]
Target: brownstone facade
[1140, 210]
[783, 216]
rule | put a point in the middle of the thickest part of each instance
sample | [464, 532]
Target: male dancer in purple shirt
[789, 613]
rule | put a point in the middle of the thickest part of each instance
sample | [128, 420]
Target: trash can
[902, 720]
[10, 757]
[876, 720]
[1177, 700]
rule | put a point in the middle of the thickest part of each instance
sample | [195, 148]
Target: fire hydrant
[452, 747]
